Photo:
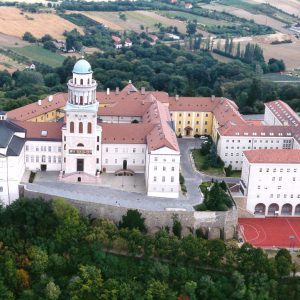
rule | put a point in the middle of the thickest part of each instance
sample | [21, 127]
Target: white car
[203, 137]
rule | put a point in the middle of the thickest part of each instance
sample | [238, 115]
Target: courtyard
[129, 191]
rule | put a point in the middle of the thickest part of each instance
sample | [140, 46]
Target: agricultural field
[289, 6]
[200, 20]
[134, 20]
[39, 54]
[15, 23]
[7, 63]
[256, 17]
[289, 53]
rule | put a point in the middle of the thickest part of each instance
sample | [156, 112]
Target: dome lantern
[82, 67]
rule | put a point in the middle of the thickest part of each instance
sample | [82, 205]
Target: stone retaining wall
[213, 224]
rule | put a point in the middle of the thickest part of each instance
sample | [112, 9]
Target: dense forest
[49, 251]
[158, 67]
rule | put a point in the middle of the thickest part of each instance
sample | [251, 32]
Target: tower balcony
[71, 83]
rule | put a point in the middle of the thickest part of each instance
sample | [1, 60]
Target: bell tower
[81, 134]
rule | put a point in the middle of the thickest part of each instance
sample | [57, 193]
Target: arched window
[260, 209]
[297, 209]
[81, 81]
[88, 81]
[81, 100]
[64, 146]
[75, 80]
[89, 127]
[72, 127]
[287, 209]
[80, 127]
[80, 145]
[273, 208]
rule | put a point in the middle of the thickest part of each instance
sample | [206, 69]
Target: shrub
[133, 219]
[177, 227]
[181, 178]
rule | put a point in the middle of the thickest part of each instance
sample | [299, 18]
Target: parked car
[203, 137]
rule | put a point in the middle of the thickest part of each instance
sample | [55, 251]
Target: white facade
[11, 172]
[43, 155]
[271, 188]
[123, 156]
[231, 148]
[162, 173]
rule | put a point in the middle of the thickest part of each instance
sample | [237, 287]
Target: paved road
[101, 194]
[192, 177]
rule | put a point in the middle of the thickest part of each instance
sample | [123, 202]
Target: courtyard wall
[213, 225]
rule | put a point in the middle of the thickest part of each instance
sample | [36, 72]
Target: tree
[28, 77]
[46, 38]
[283, 262]
[49, 45]
[29, 37]
[51, 79]
[87, 285]
[216, 198]
[52, 291]
[68, 219]
[133, 219]
[191, 27]
[177, 227]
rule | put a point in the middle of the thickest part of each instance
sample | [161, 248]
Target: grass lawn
[236, 174]
[40, 55]
[200, 20]
[199, 160]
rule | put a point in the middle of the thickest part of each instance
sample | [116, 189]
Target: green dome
[82, 67]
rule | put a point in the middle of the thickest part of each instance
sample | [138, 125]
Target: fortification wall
[213, 224]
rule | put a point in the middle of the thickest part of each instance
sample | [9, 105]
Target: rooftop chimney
[107, 91]
[129, 81]
[39, 102]
[50, 98]
[213, 97]
[143, 90]
[177, 97]
[117, 90]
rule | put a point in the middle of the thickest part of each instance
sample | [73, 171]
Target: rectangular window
[49, 159]
[172, 178]
[27, 148]
[134, 150]
[154, 178]
[1, 189]
[163, 179]
[49, 148]
[37, 158]
[59, 159]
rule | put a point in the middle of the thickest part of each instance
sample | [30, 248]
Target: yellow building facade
[50, 116]
[190, 123]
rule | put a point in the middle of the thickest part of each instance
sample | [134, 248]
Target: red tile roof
[116, 133]
[162, 134]
[34, 109]
[231, 129]
[47, 131]
[273, 156]
[283, 112]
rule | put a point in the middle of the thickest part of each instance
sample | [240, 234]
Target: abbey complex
[85, 133]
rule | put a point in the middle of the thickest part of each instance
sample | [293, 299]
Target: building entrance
[43, 167]
[124, 164]
[80, 165]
